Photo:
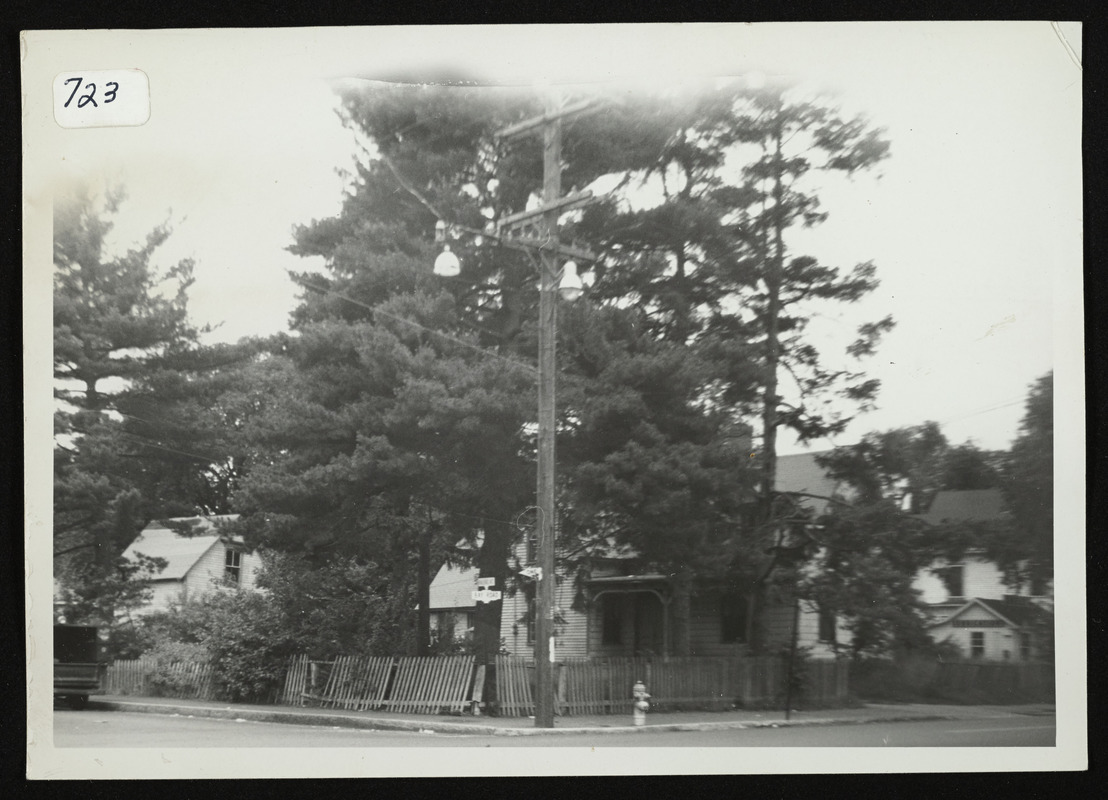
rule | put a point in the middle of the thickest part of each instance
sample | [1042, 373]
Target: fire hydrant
[641, 704]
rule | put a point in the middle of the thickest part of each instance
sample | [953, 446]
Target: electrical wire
[482, 350]
[134, 439]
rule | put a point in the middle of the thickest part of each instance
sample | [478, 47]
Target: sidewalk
[524, 726]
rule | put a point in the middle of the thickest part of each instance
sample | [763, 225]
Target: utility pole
[544, 613]
[539, 229]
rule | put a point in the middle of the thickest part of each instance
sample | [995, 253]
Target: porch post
[665, 625]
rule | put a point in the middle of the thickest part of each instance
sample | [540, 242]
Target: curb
[415, 726]
[294, 718]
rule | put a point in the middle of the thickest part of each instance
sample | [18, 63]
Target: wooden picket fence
[412, 685]
[454, 684]
[515, 677]
[179, 679]
[432, 685]
[827, 682]
[603, 685]
[597, 686]
[347, 682]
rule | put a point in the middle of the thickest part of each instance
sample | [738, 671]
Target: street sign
[485, 595]
[485, 583]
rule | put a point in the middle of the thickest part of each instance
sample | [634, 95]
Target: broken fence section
[433, 685]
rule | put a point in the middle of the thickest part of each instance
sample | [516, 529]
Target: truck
[79, 663]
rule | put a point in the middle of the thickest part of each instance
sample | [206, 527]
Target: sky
[972, 222]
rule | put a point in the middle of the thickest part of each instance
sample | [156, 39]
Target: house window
[1038, 585]
[233, 569]
[732, 618]
[1025, 647]
[827, 626]
[471, 620]
[611, 620]
[532, 547]
[977, 644]
[953, 579]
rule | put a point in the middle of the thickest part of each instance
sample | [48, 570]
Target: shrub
[240, 634]
[339, 606]
[168, 680]
[128, 640]
[248, 645]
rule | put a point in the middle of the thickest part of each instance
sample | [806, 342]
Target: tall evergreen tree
[711, 265]
[791, 140]
[108, 324]
[692, 311]
[796, 138]
[1027, 552]
[127, 366]
[458, 402]
[409, 390]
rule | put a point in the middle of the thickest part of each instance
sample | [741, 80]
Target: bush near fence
[993, 682]
[151, 677]
[926, 679]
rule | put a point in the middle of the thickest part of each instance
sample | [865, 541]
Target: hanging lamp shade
[570, 285]
[447, 264]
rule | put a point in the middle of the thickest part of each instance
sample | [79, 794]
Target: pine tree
[690, 318]
[1028, 485]
[127, 364]
[709, 266]
[406, 422]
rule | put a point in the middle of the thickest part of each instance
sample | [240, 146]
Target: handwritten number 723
[90, 97]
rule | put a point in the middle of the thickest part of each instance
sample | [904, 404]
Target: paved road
[126, 729]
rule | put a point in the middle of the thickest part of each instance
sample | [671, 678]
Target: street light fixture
[568, 282]
[447, 264]
[570, 286]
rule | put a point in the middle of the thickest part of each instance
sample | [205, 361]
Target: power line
[135, 439]
[985, 410]
[482, 350]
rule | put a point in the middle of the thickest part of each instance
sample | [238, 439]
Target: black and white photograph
[399, 397]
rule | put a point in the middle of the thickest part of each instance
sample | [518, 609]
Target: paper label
[101, 98]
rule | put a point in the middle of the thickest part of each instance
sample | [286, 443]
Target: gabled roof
[453, 587]
[966, 505]
[800, 473]
[1016, 612]
[180, 552]
[1019, 610]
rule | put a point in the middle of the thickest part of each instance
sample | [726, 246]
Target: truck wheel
[77, 702]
